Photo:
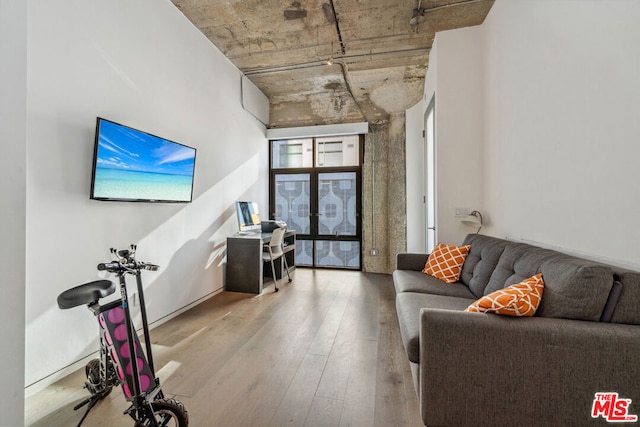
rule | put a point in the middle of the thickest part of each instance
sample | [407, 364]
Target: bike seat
[86, 294]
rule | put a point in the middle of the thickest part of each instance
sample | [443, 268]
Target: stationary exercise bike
[119, 346]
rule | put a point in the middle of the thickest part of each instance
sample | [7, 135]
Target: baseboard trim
[46, 381]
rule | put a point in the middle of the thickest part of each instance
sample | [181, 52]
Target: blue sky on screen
[120, 147]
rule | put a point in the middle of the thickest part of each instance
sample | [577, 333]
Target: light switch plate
[460, 212]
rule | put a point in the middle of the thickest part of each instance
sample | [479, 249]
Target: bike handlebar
[118, 267]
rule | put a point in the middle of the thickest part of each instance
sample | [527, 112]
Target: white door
[430, 175]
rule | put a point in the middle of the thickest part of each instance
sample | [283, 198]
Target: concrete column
[397, 198]
[384, 195]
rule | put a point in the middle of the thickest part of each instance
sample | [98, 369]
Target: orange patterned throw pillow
[445, 262]
[522, 299]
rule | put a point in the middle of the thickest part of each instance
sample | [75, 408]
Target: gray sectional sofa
[481, 369]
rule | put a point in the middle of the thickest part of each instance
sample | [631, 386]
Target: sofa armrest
[482, 369]
[410, 261]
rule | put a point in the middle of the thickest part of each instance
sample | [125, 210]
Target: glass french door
[317, 195]
[337, 242]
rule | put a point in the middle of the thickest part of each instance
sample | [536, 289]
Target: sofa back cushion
[627, 309]
[574, 288]
[518, 262]
[481, 261]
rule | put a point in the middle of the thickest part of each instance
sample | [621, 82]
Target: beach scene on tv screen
[134, 165]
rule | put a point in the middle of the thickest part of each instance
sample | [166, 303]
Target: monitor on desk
[248, 217]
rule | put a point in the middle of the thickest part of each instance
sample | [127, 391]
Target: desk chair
[274, 250]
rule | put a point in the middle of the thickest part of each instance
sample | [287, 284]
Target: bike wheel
[95, 383]
[169, 413]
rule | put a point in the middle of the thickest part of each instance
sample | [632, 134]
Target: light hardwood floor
[324, 351]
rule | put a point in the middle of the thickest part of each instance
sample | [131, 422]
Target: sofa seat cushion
[408, 306]
[416, 281]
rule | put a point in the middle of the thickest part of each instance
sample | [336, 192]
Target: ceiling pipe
[320, 45]
[323, 63]
[345, 42]
[335, 19]
[343, 67]
[418, 13]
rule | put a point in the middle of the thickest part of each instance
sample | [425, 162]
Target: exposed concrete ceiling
[379, 59]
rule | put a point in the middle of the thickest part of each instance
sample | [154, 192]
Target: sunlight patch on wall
[191, 222]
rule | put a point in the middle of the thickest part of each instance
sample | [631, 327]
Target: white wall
[550, 89]
[561, 110]
[455, 77]
[144, 65]
[13, 139]
[459, 127]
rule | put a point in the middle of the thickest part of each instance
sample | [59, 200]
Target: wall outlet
[460, 212]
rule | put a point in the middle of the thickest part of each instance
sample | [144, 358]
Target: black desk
[245, 271]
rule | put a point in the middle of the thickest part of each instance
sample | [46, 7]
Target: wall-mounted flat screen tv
[131, 165]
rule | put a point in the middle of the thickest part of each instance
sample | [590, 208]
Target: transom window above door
[329, 152]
